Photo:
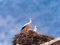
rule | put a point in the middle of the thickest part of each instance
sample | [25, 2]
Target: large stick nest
[30, 38]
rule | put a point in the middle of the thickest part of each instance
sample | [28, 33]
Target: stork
[27, 25]
[35, 28]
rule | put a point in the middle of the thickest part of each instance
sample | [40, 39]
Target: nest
[30, 38]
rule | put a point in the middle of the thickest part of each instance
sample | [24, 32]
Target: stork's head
[36, 26]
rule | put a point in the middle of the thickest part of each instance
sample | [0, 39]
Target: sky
[15, 13]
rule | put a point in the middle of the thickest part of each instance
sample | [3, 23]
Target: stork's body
[27, 26]
[35, 28]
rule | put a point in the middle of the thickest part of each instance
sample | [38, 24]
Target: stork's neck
[30, 20]
[35, 28]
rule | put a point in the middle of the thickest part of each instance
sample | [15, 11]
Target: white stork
[35, 28]
[27, 25]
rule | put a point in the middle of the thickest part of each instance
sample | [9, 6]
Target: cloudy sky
[15, 13]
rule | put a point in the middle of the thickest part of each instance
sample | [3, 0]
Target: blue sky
[15, 13]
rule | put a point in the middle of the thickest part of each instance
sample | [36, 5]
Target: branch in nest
[52, 42]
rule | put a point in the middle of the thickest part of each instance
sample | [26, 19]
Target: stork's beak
[36, 26]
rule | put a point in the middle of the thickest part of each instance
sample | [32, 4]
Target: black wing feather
[23, 28]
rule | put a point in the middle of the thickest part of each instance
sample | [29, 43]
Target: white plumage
[35, 28]
[29, 23]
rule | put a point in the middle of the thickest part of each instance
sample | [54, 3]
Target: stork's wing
[23, 28]
[26, 26]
